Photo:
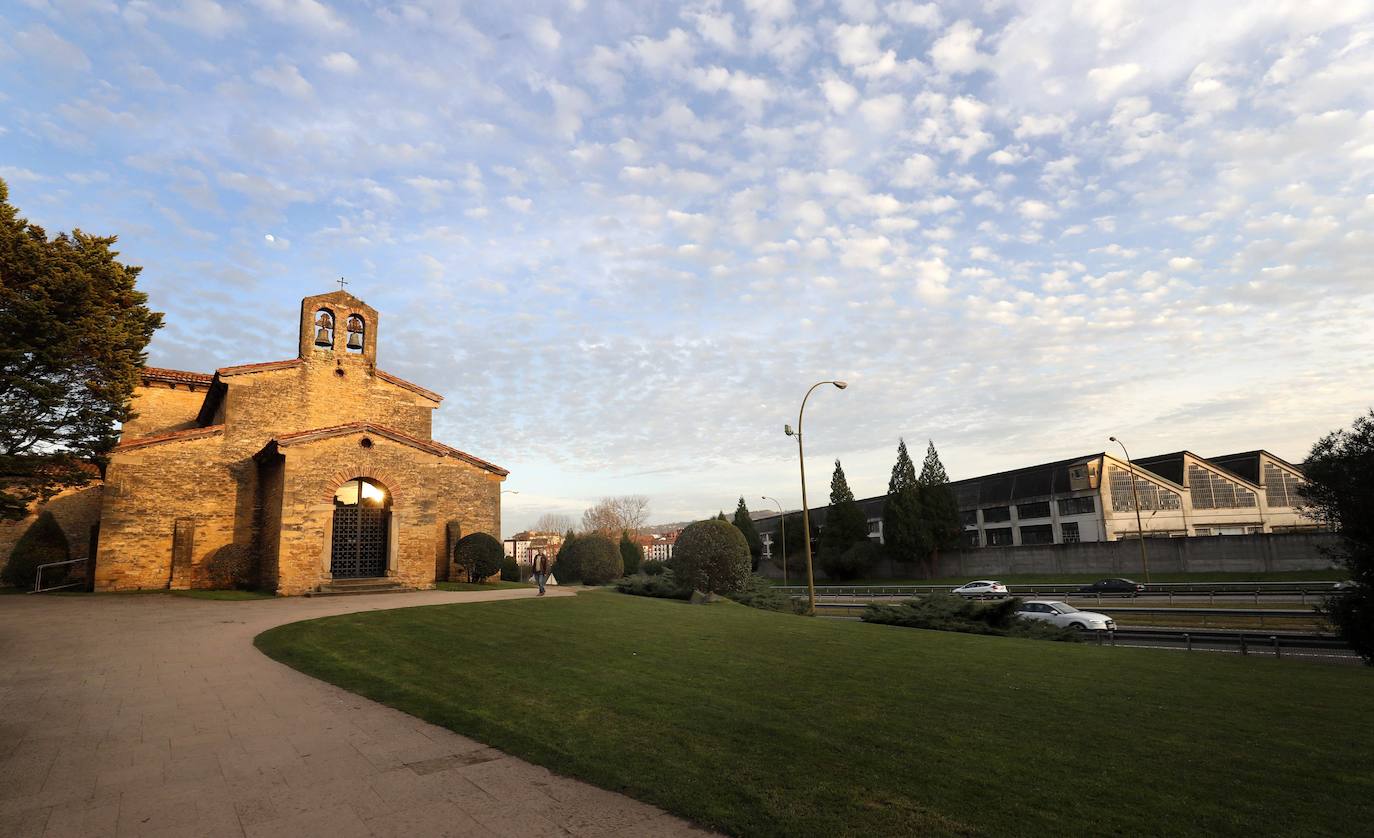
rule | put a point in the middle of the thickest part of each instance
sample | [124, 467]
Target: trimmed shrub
[712, 556]
[478, 556]
[510, 571]
[758, 592]
[591, 560]
[653, 567]
[41, 543]
[662, 586]
[853, 563]
[949, 612]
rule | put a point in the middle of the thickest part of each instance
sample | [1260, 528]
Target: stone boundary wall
[1217, 554]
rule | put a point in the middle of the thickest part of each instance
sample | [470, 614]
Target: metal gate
[359, 545]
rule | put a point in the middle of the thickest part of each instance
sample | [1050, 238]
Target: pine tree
[745, 524]
[720, 516]
[845, 523]
[903, 535]
[74, 330]
[630, 553]
[939, 509]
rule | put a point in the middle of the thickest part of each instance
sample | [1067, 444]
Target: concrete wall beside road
[1220, 554]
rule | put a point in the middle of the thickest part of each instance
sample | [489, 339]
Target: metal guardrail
[1184, 590]
[38, 577]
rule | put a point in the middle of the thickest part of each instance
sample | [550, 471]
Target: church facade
[289, 476]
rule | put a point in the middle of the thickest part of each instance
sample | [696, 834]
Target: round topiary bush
[712, 556]
[41, 543]
[591, 560]
[477, 556]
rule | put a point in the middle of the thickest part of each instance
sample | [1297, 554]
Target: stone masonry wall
[426, 491]
[75, 510]
[149, 489]
[263, 405]
[160, 408]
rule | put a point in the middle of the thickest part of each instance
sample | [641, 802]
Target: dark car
[1125, 587]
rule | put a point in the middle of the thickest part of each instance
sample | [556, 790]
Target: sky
[624, 238]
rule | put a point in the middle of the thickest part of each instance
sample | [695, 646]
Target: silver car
[1065, 616]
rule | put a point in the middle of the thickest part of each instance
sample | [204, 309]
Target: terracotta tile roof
[401, 382]
[429, 445]
[175, 376]
[174, 436]
[265, 366]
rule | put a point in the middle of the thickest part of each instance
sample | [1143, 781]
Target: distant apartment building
[1093, 498]
[523, 545]
[657, 547]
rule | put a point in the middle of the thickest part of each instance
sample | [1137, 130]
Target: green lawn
[758, 723]
[1084, 578]
[479, 586]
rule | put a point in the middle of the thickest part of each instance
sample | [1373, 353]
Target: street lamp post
[806, 510]
[1135, 500]
[782, 523]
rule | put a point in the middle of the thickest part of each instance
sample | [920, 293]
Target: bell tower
[338, 327]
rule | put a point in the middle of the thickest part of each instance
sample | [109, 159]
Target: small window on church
[324, 327]
[355, 333]
[361, 492]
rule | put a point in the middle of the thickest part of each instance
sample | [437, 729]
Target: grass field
[759, 723]
[1084, 578]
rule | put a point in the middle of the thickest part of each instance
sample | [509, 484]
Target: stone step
[349, 587]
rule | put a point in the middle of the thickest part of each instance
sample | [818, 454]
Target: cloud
[310, 15]
[840, 94]
[340, 62]
[542, 32]
[50, 49]
[284, 78]
[957, 50]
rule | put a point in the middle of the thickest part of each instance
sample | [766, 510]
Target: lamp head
[1111, 439]
[787, 429]
[840, 384]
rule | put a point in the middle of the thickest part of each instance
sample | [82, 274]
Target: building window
[1069, 531]
[969, 517]
[971, 539]
[1000, 537]
[1212, 491]
[1151, 495]
[1040, 509]
[875, 529]
[1078, 506]
[1280, 486]
[1203, 530]
[324, 328]
[996, 513]
[1039, 534]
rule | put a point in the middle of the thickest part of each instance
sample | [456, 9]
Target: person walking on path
[541, 570]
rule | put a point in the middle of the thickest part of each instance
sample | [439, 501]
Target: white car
[1065, 616]
[981, 588]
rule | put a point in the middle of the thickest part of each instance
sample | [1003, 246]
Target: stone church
[291, 476]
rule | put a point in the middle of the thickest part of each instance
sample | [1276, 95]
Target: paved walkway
[155, 715]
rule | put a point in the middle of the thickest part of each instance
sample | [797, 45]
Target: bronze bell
[324, 337]
[355, 341]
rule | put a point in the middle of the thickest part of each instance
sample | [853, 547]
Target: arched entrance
[362, 513]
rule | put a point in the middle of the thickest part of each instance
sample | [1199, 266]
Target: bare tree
[612, 516]
[553, 522]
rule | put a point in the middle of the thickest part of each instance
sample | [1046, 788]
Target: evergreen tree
[745, 524]
[845, 523]
[720, 516]
[630, 553]
[939, 509]
[74, 329]
[903, 534]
